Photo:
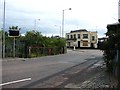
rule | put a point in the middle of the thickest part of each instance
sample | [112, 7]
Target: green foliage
[14, 28]
[0, 35]
[34, 39]
[110, 46]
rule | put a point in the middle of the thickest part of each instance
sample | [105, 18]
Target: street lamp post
[60, 31]
[63, 21]
[35, 22]
[3, 34]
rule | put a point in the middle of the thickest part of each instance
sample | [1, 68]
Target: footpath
[95, 78]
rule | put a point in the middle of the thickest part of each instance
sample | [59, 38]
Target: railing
[30, 51]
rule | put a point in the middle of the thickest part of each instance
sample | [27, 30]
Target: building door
[92, 45]
[69, 44]
[78, 44]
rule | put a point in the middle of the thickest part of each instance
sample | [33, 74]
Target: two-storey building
[82, 39]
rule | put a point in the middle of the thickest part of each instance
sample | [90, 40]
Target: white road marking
[15, 81]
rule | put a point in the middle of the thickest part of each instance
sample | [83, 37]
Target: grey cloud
[76, 22]
[45, 30]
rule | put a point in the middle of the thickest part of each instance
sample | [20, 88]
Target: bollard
[74, 48]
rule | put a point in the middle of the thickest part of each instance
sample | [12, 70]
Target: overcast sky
[93, 15]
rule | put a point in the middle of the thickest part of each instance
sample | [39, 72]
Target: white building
[82, 39]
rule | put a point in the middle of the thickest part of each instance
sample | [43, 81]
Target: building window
[93, 38]
[68, 44]
[85, 43]
[78, 35]
[85, 36]
[74, 35]
[67, 36]
[71, 36]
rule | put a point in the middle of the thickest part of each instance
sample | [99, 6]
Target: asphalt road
[20, 73]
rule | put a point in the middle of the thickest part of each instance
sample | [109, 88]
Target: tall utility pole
[63, 21]
[35, 22]
[35, 25]
[3, 34]
[63, 24]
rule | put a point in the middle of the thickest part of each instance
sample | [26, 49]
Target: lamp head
[70, 8]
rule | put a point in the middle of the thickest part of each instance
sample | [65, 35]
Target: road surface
[30, 73]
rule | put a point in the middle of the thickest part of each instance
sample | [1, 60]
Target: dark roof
[103, 38]
[113, 25]
[81, 30]
[117, 23]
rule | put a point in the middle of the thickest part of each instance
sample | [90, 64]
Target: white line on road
[15, 81]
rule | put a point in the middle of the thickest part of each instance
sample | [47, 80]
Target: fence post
[29, 51]
[14, 45]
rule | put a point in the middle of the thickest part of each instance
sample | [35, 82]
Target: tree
[33, 37]
[111, 45]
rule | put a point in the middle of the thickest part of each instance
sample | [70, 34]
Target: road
[30, 72]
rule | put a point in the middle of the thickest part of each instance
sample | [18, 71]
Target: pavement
[101, 79]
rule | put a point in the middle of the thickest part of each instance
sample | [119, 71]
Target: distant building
[55, 37]
[101, 42]
[82, 39]
[102, 39]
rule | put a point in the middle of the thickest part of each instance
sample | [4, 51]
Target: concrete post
[74, 48]
[14, 47]
[29, 51]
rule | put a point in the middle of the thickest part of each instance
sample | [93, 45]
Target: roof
[81, 30]
[102, 38]
[117, 23]
[113, 25]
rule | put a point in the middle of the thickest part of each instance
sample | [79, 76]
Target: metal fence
[44, 51]
[22, 50]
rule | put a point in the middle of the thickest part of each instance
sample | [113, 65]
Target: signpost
[14, 32]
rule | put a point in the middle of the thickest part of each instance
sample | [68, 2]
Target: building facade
[82, 39]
